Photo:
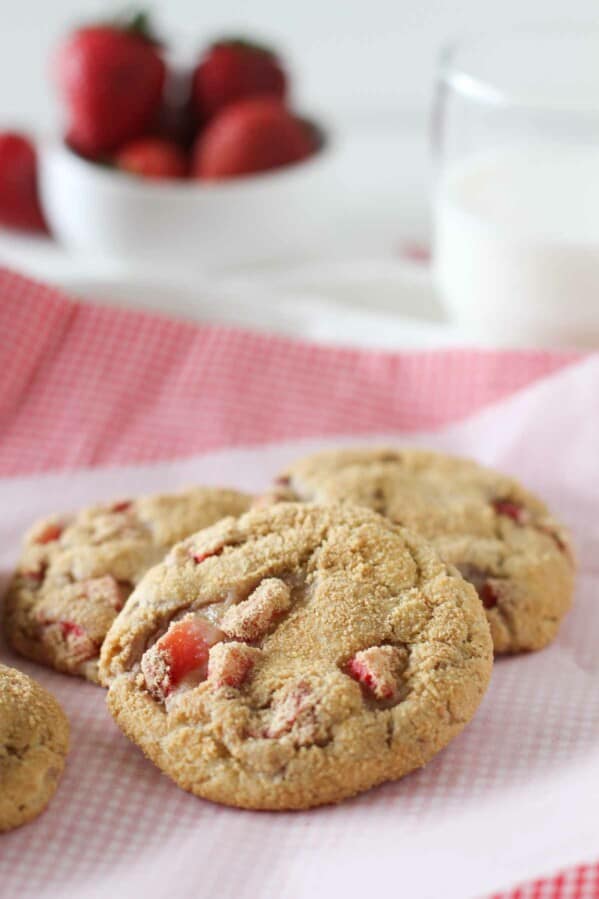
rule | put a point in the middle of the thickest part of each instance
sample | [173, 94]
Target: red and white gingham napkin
[86, 391]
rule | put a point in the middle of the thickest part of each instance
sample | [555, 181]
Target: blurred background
[366, 71]
[364, 64]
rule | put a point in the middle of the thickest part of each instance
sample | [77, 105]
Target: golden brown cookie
[76, 571]
[296, 656]
[500, 536]
[34, 741]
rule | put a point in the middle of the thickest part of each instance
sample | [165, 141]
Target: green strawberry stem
[139, 23]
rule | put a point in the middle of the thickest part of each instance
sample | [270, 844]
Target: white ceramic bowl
[97, 210]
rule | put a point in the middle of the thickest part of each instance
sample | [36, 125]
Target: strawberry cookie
[296, 656]
[34, 740]
[76, 571]
[501, 538]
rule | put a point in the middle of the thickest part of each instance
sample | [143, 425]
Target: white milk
[517, 245]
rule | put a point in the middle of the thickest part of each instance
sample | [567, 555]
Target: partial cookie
[76, 571]
[296, 656]
[500, 536]
[34, 741]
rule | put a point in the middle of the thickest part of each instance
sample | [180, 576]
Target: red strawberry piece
[376, 669]
[76, 644]
[251, 136]
[234, 70]
[153, 157]
[49, 533]
[488, 594]
[479, 579]
[283, 480]
[36, 575]
[121, 506]
[200, 557]
[182, 650]
[250, 619]
[110, 78]
[415, 252]
[230, 664]
[19, 201]
[511, 509]
[80, 646]
[294, 708]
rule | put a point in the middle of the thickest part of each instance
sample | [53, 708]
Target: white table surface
[360, 293]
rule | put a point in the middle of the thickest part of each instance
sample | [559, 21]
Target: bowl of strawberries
[201, 164]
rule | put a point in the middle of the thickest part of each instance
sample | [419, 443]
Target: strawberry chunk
[182, 651]
[250, 619]
[295, 710]
[80, 645]
[49, 533]
[510, 509]
[121, 506]
[70, 642]
[376, 669]
[230, 664]
[35, 575]
[488, 594]
[486, 589]
[200, 557]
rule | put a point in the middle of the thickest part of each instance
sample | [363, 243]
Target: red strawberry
[233, 70]
[153, 157]
[110, 78]
[49, 533]
[251, 136]
[19, 203]
[182, 650]
[375, 668]
[511, 509]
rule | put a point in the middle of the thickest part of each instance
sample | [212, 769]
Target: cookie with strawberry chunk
[296, 656]
[76, 571]
[501, 537]
[34, 741]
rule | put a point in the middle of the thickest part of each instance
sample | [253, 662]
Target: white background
[357, 59]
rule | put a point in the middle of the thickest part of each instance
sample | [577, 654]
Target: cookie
[500, 536]
[34, 741]
[296, 656]
[76, 571]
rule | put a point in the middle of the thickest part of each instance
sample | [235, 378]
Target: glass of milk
[516, 207]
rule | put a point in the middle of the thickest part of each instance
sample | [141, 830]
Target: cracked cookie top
[296, 656]
[76, 571]
[501, 537]
[34, 739]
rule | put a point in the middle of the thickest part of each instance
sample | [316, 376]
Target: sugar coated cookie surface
[76, 571]
[501, 537]
[296, 656]
[34, 740]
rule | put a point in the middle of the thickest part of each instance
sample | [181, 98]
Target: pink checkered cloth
[84, 386]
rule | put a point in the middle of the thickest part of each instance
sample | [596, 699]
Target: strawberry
[122, 505]
[153, 157]
[376, 669]
[49, 533]
[182, 650]
[511, 509]
[233, 70]
[252, 618]
[110, 78]
[251, 136]
[19, 203]
[230, 664]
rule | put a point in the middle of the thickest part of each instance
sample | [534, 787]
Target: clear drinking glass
[516, 205]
